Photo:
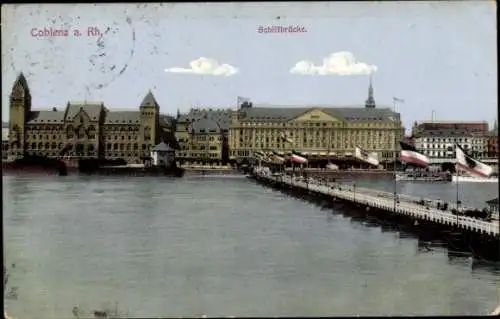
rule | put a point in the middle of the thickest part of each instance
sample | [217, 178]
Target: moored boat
[474, 179]
[409, 177]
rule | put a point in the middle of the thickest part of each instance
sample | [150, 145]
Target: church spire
[370, 101]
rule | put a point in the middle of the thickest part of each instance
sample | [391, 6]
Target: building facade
[83, 130]
[316, 130]
[492, 143]
[438, 139]
[441, 143]
[202, 135]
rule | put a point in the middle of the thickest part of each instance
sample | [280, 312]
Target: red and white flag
[411, 156]
[470, 165]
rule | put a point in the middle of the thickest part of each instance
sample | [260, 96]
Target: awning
[305, 153]
[348, 154]
[332, 154]
[322, 153]
[314, 154]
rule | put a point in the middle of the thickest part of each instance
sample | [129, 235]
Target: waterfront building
[438, 139]
[84, 129]
[441, 143]
[202, 135]
[492, 142]
[162, 155]
[316, 130]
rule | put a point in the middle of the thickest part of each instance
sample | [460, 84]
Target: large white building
[441, 143]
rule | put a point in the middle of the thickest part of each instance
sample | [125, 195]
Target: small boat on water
[474, 179]
[411, 177]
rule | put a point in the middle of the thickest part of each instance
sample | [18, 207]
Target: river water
[220, 246]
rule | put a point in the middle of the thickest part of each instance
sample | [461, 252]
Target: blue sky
[437, 56]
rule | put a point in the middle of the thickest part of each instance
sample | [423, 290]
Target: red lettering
[49, 32]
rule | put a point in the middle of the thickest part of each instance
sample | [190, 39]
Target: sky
[439, 57]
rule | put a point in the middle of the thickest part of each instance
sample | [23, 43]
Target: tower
[150, 120]
[20, 109]
[370, 101]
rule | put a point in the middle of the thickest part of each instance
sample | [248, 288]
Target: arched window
[91, 148]
[136, 146]
[40, 146]
[54, 145]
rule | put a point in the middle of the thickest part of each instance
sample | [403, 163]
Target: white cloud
[338, 63]
[206, 66]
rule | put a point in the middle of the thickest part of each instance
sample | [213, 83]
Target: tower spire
[370, 101]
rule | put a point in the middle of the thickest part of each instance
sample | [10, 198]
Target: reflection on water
[222, 247]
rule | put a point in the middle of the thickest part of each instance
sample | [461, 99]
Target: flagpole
[456, 174]
[394, 160]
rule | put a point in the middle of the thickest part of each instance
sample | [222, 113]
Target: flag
[259, 155]
[298, 158]
[395, 99]
[365, 156]
[278, 157]
[411, 156]
[470, 165]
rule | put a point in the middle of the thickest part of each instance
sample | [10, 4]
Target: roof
[205, 125]
[149, 100]
[162, 147]
[493, 201]
[122, 117]
[46, 117]
[449, 133]
[349, 114]
[222, 117]
[93, 110]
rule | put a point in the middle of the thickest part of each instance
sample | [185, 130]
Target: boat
[474, 179]
[35, 164]
[409, 177]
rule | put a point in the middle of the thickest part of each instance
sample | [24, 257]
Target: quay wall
[480, 238]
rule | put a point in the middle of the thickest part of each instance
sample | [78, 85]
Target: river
[220, 246]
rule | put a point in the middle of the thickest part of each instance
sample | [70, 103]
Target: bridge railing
[407, 208]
